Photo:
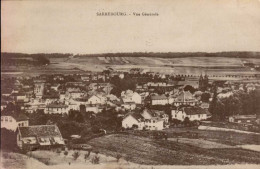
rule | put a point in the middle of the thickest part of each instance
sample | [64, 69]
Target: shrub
[75, 155]
[87, 155]
[58, 151]
[65, 153]
[118, 156]
[95, 159]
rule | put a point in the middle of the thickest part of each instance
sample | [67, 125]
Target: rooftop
[40, 131]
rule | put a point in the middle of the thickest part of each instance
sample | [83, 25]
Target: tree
[186, 121]
[86, 155]
[189, 88]
[65, 153]
[205, 97]
[58, 151]
[118, 156]
[96, 158]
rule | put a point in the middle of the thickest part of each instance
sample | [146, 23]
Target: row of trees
[239, 103]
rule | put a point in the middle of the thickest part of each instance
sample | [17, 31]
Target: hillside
[157, 152]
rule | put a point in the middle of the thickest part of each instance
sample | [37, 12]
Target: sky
[71, 26]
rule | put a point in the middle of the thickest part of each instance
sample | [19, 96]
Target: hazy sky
[72, 26]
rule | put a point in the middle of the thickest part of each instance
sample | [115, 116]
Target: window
[6, 119]
[2, 119]
[10, 119]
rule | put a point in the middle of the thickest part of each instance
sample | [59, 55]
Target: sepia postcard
[130, 84]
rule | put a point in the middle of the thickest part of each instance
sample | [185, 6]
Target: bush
[65, 153]
[75, 155]
[87, 155]
[118, 156]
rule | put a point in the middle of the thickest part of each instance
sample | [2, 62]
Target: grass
[224, 137]
[158, 152]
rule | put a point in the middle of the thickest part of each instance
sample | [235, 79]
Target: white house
[149, 114]
[133, 119]
[11, 120]
[185, 98]
[130, 96]
[155, 123]
[92, 109]
[143, 120]
[193, 113]
[128, 105]
[159, 100]
[95, 99]
[56, 108]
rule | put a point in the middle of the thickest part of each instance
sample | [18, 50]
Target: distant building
[130, 96]
[159, 100]
[193, 113]
[56, 108]
[39, 88]
[40, 137]
[147, 119]
[12, 120]
[203, 82]
[185, 98]
[243, 119]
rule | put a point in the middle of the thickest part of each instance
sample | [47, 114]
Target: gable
[130, 118]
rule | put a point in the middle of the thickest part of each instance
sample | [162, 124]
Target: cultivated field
[223, 137]
[157, 152]
[187, 65]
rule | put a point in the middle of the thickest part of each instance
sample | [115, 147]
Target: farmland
[187, 65]
[157, 152]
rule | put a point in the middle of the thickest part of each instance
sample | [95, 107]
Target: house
[92, 109]
[155, 123]
[128, 105]
[76, 94]
[56, 108]
[96, 99]
[243, 119]
[143, 120]
[133, 119]
[192, 113]
[86, 78]
[185, 98]
[35, 104]
[40, 137]
[130, 96]
[12, 120]
[159, 100]
[149, 114]
[39, 88]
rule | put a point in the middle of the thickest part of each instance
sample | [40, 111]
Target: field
[169, 152]
[187, 65]
[223, 137]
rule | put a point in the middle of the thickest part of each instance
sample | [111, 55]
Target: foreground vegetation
[157, 152]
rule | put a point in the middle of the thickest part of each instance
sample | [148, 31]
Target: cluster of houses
[31, 137]
[57, 94]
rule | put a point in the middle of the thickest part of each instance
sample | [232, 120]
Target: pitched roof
[185, 96]
[40, 131]
[15, 115]
[135, 115]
